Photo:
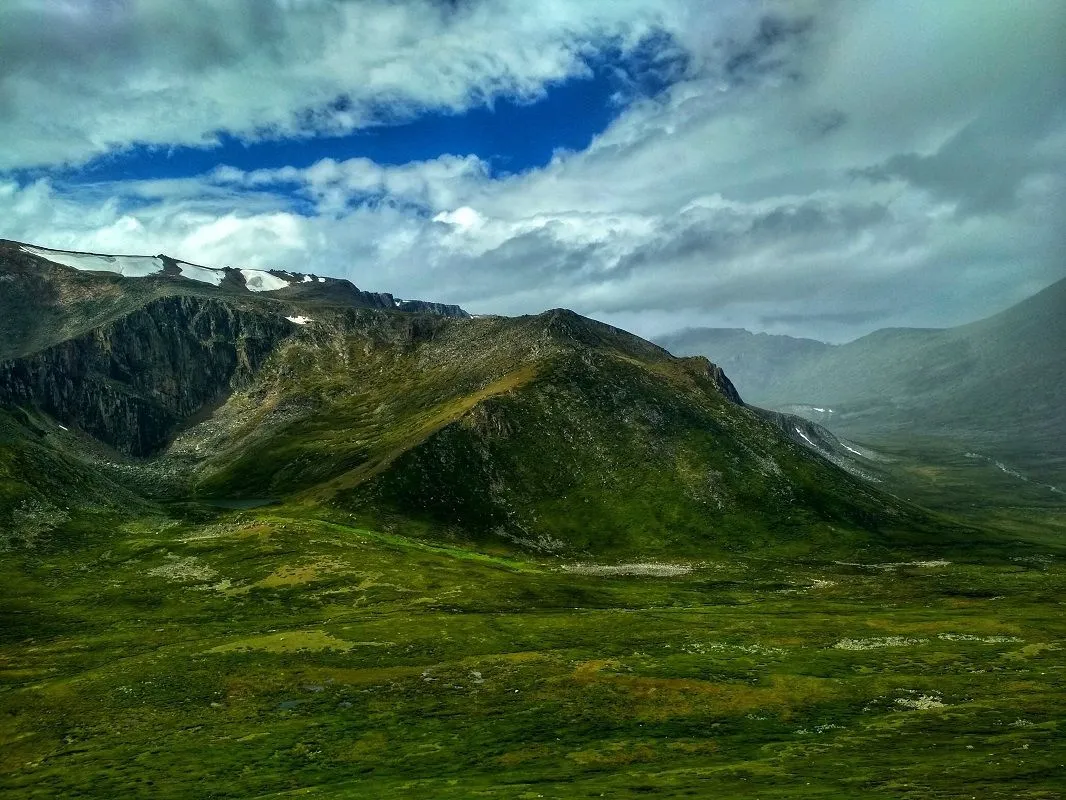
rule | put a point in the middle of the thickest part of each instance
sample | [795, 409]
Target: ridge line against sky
[814, 167]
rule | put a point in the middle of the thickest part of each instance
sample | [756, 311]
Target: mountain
[551, 432]
[269, 542]
[47, 296]
[997, 385]
[756, 361]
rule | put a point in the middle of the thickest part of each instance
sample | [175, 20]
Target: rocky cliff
[428, 307]
[132, 382]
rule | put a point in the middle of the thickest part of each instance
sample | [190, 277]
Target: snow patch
[299, 320]
[1013, 472]
[808, 441]
[201, 274]
[127, 266]
[257, 280]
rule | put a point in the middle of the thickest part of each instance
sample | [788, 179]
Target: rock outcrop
[428, 307]
[132, 382]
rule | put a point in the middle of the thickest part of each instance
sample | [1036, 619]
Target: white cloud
[822, 169]
[86, 76]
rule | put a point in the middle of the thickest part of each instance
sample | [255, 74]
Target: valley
[268, 652]
[271, 544]
[995, 386]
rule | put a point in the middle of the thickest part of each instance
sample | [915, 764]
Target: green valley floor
[270, 653]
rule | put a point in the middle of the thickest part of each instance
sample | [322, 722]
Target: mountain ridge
[999, 383]
[34, 284]
[548, 432]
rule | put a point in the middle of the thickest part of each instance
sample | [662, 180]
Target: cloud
[818, 168]
[84, 77]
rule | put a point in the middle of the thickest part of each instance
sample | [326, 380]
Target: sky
[816, 168]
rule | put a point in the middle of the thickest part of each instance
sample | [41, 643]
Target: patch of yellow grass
[587, 669]
[368, 748]
[660, 699]
[513, 758]
[422, 427]
[614, 754]
[1031, 650]
[289, 641]
[929, 473]
[297, 574]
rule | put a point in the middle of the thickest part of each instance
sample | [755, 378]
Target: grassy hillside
[389, 555]
[552, 433]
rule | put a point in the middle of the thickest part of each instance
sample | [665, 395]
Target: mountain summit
[49, 295]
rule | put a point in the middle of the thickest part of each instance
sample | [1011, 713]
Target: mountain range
[265, 534]
[997, 385]
[552, 432]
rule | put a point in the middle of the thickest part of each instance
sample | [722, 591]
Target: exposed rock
[132, 382]
[427, 307]
[718, 377]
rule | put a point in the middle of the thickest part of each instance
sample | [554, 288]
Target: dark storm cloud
[703, 239]
[983, 166]
[765, 51]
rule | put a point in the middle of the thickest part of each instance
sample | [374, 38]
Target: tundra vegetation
[411, 555]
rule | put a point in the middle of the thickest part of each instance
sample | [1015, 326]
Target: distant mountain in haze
[999, 383]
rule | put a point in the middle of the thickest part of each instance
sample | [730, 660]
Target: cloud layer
[822, 168]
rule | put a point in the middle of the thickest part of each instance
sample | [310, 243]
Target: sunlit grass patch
[291, 641]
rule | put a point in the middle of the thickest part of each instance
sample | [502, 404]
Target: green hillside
[257, 545]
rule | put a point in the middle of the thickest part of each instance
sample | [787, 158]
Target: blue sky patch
[512, 136]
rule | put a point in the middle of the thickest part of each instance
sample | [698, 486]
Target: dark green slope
[554, 432]
[551, 432]
[603, 454]
[504, 558]
[51, 495]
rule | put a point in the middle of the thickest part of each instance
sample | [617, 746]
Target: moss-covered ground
[517, 559]
[272, 653]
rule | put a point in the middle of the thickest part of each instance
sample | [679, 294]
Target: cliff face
[718, 378]
[132, 382]
[428, 307]
[342, 292]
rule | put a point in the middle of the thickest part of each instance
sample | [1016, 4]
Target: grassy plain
[272, 652]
